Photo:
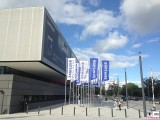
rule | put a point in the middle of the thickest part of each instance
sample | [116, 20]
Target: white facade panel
[21, 33]
[30, 34]
[4, 15]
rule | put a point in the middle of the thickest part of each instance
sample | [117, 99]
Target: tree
[110, 92]
[157, 88]
[103, 90]
[133, 90]
[113, 90]
[97, 90]
[148, 87]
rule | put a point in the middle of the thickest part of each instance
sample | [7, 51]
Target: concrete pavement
[75, 112]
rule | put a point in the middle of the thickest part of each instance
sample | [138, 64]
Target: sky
[114, 30]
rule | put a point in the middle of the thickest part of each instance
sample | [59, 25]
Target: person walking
[115, 104]
[119, 104]
[25, 104]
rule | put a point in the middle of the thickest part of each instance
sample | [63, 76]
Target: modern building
[33, 56]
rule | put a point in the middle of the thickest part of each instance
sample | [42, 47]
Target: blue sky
[114, 30]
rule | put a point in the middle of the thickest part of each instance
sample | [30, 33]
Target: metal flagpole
[100, 88]
[88, 92]
[73, 91]
[126, 88]
[88, 85]
[118, 87]
[70, 93]
[143, 94]
[100, 93]
[66, 82]
[78, 96]
[76, 93]
[93, 93]
[81, 95]
[65, 90]
[153, 90]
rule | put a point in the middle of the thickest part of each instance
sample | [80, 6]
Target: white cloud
[141, 16]
[116, 61]
[130, 52]
[94, 2]
[153, 40]
[138, 45]
[156, 75]
[72, 12]
[98, 23]
[113, 41]
[84, 54]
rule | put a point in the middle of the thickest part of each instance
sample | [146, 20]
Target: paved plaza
[96, 111]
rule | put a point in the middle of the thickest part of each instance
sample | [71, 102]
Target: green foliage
[97, 90]
[148, 87]
[103, 90]
[133, 90]
[113, 90]
[110, 92]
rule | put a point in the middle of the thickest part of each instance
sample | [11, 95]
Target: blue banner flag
[77, 79]
[86, 84]
[96, 84]
[93, 68]
[105, 70]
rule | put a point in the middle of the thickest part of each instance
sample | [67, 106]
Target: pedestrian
[22, 104]
[119, 104]
[115, 104]
[25, 104]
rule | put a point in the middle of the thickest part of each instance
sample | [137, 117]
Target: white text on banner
[71, 69]
[83, 71]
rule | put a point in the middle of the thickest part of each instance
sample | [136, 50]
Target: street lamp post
[2, 92]
[126, 87]
[118, 86]
[142, 84]
[154, 106]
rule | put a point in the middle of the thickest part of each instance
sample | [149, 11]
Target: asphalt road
[139, 105]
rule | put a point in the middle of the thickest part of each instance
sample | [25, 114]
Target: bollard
[38, 110]
[139, 113]
[62, 111]
[27, 109]
[50, 110]
[74, 111]
[125, 113]
[86, 112]
[99, 112]
[112, 112]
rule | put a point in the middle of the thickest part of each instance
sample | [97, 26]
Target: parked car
[135, 99]
[124, 98]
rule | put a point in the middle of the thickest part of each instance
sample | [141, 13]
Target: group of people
[117, 103]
